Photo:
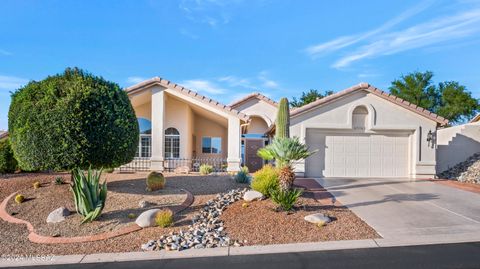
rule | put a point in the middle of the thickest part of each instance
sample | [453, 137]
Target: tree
[285, 151]
[449, 99]
[282, 122]
[70, 120]
[308, 97]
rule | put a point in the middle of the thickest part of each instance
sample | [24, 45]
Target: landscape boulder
[58, 215]
[252, 195]
[147, 218]
[317, 218]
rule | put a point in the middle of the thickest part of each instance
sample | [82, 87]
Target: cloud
[345, 41]
[135, 79]
[210, 12]
[267, 82]
[202, 85]
[444, 29]
[5, 53]
[11, 82]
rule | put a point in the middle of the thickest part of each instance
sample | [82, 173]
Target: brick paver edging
[40, 239]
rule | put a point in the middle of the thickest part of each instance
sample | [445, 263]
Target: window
[172, 143]
[144, 125]
[359, 118]
[211, 145]
[144, 149]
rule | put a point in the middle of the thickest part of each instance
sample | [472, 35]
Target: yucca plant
[285, 151]
[88, 193]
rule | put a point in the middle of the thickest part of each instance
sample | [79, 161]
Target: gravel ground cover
[261, 224]
[13, 237]
[123, 198]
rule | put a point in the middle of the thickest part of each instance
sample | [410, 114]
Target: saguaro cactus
[283, 119]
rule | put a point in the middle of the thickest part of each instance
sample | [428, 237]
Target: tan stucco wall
[383, 117]
[257, 126]
[144, 111]
[205, 127]
[177, 115]
[256, 107]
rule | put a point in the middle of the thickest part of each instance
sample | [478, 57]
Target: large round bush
[74, 119]
[8, 164]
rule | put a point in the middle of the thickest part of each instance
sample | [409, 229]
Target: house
[359, 132]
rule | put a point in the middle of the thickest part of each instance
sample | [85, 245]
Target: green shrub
[70, 120]
[19, 199]
[206, 169]
[109, 170]
[131, 216]
[265, 179]
[155, 181]
[285, 199]
[89, 195]
[164, 218]
[8, 164]
[242, 176]
[59, 181]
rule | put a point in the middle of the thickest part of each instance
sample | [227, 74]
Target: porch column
[158, 118]
[234, 142]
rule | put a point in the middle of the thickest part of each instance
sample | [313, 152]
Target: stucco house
[359, 132]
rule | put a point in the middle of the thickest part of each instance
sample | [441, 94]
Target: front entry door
[252, 161]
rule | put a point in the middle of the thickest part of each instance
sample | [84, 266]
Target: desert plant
[285, 199]
[206, 169]
[36, 185]
[265, 179]
[109, 170]
[19, 199]
[285, 151]
[59, 181]
[131, 216]
[164, 218]
[69, 120]
[242, 177]
[155, 181]
[8, 164]
[89, 195]
[282, 122]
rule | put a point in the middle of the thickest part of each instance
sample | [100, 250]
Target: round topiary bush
[155, 181]
[74, 119]
[8, 164]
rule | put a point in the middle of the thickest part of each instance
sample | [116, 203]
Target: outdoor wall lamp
[430, 138]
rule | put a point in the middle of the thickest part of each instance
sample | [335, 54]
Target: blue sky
[226, 49]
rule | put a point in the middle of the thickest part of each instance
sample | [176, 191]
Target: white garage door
[357, 155]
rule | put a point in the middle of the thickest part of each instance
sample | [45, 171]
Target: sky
[226, 49]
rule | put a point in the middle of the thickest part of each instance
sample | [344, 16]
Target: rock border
[41, 239]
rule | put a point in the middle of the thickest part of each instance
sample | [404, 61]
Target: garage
[357, 154]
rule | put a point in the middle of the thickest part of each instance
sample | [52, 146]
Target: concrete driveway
[403, 209]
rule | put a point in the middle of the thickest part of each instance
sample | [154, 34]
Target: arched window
[172, 143]
[359, 118]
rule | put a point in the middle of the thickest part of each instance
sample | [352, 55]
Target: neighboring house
[3, 134]
[359, 132]
[457, 143]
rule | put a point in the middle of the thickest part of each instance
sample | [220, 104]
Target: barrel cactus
[19, 199]
[282, 123]
[155, 181]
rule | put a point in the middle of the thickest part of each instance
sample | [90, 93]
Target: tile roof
[256, 95]
[371, 89]
[3, 134]
[190, 93]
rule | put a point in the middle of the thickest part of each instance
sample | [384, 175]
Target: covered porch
[180, 128]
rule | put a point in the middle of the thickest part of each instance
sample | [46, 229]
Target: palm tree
[285, 151]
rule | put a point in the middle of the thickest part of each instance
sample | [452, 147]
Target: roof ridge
[382, 94]
[186, 91]
[257, 95]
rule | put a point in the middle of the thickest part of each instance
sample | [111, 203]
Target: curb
[238, 251]
[41, 239]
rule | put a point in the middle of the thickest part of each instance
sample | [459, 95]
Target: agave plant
[88, 193]
[285, 151]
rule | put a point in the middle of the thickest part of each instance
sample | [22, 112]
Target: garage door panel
[358, 155]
